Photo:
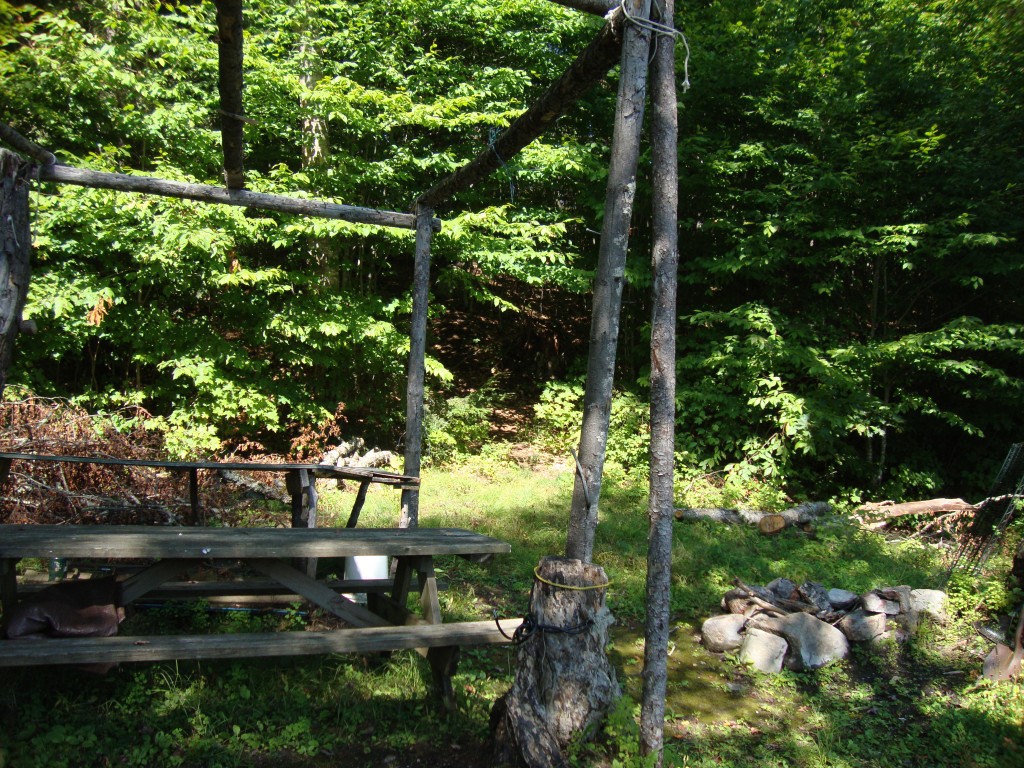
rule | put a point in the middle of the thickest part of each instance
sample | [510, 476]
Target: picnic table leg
[8, 586]
[443, 661]
[302, 486]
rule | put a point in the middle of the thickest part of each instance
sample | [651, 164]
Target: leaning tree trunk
[15, 246]
[564, 683]
[608, 284]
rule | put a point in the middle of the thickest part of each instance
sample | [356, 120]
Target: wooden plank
[318, 470]
[152, 577]
[429, 604]
[206, 193]
[317, 593]
[53, 651]
[131, 541]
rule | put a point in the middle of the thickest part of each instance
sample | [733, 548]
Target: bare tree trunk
[15, 250]
[232, 123]
[564, 683]
[417, 370]
[608, 282]
[665, 262]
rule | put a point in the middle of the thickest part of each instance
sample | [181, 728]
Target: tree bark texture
[417, 366]
[665, 262]
[229, 35]
[608, 283]
[209, 194]
[564, 684]
[585, 72]
[16, 245]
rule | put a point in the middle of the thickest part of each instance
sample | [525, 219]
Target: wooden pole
[15, 251]
[232, 123]
[596, 7]
[665, 262]
[209, 194]
[587, 70]
[417, 368]
[18, 142]
[608, 282]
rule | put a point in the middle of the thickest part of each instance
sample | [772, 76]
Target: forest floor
[919, 703]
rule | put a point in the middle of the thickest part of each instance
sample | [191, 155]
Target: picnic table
[385, 623]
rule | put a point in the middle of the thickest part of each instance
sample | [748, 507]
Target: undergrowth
[917, 704]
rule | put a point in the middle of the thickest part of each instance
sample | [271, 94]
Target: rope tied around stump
[530, 627]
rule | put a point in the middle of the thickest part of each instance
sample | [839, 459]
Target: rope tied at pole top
[661, 30]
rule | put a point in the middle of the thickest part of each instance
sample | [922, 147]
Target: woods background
[851, 211]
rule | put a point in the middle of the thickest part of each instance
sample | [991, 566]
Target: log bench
[384, 624]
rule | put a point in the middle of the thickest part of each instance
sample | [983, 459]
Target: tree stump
[564, 684]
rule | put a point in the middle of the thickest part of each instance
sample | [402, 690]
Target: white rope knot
[661, 30]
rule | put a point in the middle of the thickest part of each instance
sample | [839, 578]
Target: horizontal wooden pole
[585, 72]
[208, 194]
[51, 651]
[596, 7]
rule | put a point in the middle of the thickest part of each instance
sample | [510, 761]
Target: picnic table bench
[385, 623]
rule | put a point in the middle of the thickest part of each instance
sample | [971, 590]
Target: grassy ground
[918, 704]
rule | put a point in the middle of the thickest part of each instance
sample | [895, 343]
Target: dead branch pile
[65, 493]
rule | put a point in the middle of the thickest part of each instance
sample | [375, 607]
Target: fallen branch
[889, 511]
[798, 515]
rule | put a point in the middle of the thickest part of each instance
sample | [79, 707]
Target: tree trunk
[665, 262]
[564, 683]
[15, 249]
[608, 281]
[232, 114]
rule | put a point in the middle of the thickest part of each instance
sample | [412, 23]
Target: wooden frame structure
[589, 67]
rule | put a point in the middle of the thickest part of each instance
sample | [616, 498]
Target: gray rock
[783, 588]
[763, 650]
[899, 595]
[722, 633]
[842, 599]
[862, 627]
[816, 595]
[874, 602]
[933, 603]
[812, 642]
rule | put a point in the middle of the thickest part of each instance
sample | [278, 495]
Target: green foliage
[456, 426]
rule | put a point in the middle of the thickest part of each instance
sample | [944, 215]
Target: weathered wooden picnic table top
[134, 541]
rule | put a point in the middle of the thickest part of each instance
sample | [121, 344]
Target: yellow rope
[536, 573]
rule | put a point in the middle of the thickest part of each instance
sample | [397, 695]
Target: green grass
[918, 704]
